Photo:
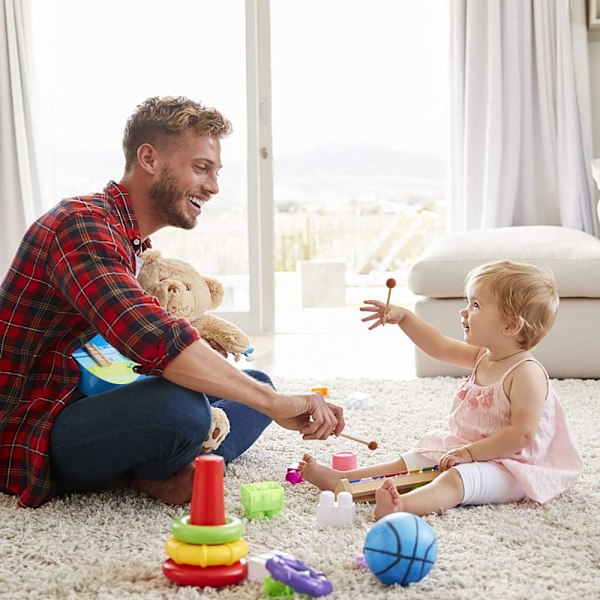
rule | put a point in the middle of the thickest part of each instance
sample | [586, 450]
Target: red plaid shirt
[74, 275]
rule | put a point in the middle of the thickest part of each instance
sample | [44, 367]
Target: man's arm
[200, 368]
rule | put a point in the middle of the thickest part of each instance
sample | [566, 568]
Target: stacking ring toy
[203, 555]
[295, 574]
[207, 534]
[209, 576]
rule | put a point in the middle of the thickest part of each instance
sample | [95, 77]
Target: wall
[594, 57]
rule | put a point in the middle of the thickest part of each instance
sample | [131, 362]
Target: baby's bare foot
[321, 476]
[387, 499]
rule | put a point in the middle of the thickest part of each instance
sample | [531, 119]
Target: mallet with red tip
[390, 284]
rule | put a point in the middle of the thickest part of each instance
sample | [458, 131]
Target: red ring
[216, 576]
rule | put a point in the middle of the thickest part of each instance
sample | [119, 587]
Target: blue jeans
[148, 429]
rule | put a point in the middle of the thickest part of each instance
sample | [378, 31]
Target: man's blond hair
[522, 291]
[161, 122]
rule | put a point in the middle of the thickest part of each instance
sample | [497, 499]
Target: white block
[257, 570]
[335, 514]
[358, 400]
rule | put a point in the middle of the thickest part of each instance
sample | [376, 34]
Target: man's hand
[309, 414]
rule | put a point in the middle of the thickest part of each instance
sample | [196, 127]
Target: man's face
[187, 180]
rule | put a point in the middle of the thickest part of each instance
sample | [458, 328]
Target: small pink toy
[293, 475]
[344, 460]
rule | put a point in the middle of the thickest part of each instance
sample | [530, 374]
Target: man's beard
[165, 196]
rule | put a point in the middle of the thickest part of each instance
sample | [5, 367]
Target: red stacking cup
[208, 496]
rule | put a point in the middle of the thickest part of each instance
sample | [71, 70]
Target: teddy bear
[219, 428]
[181, 290]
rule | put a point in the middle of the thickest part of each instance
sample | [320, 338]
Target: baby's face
[481, 318]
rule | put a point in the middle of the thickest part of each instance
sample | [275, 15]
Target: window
[360, 127]
[95, 61]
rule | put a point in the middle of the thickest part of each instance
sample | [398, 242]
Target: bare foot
[387, 499]
[176, 490]
[321, 476]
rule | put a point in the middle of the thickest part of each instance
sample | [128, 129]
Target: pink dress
[545, 468]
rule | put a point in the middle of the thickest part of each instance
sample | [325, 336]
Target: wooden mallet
[372, 445]
[390, 284]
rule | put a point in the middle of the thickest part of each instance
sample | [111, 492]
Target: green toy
[262, 500]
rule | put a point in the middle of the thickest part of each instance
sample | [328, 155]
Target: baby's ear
[514, 325]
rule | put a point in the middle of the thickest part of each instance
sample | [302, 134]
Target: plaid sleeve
[91, 263]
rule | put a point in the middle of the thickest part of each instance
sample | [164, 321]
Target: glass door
[360, 138]
[95, 61]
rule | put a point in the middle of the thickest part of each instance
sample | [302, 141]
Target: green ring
[207, 534]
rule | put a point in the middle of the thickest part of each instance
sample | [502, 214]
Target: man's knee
[259, 376]
[186, 412]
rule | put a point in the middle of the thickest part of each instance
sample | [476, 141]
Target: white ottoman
[572, 348]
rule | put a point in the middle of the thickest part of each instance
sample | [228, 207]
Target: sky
[342, 70]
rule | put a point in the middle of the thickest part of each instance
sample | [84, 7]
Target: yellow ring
[207, 534]
[203, 555]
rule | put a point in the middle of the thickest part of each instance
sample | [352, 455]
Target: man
[74, 275]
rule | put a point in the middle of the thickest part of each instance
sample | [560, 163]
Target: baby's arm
[424, 335]
[526, 388]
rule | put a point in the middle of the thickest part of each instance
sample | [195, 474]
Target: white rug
[110, 545]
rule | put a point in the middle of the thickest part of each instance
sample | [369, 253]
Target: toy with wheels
[295, 574]
[400, 548]
[207, 548]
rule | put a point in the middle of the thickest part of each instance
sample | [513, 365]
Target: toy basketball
[400, 548]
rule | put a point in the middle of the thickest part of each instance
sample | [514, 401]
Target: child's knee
[454, 481]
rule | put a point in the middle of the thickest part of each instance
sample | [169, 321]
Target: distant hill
[361, 160]
[330, 175]
[336, 175]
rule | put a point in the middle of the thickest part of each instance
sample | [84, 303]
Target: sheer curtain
[521, 116]
[20, 199]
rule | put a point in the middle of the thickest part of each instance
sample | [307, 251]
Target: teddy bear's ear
[150, 255]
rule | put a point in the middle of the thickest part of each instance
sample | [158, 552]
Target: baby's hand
[455, 457]
[394, 315]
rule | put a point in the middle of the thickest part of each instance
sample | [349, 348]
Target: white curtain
[521, 116]
[20, 200]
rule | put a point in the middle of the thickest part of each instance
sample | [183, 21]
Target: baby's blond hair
[522, 291]
[161, 121]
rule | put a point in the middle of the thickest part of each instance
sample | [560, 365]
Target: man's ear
[147, 157]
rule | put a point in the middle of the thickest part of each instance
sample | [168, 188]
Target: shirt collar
[122, 203]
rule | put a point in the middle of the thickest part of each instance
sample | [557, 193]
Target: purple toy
[293, 475]
[295, 574]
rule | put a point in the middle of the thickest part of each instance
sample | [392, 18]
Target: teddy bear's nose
[173, 289]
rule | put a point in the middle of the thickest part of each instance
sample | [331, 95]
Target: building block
[335, 514]
[276, 589]
[358, 400]
[262, 500]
